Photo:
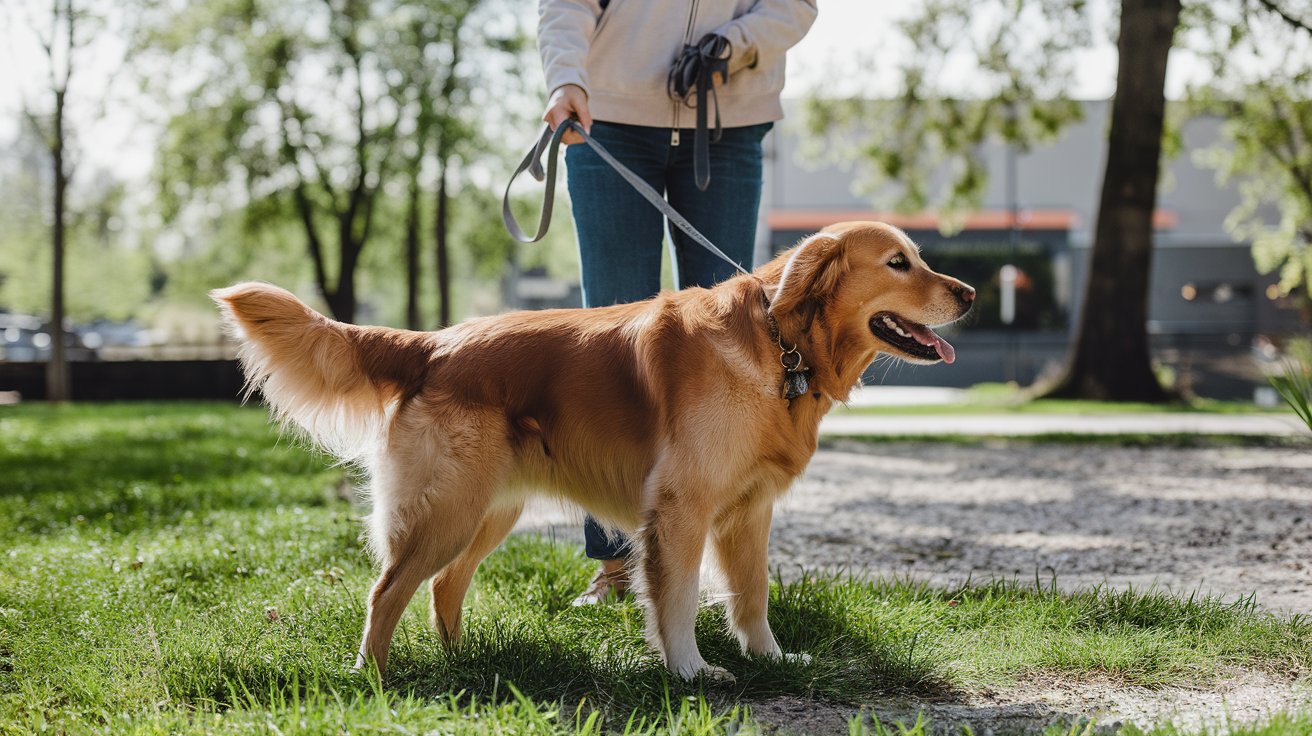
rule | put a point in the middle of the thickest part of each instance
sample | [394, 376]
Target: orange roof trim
[809, 220]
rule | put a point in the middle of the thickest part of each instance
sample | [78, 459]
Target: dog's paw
[718, 675]
[702, 670]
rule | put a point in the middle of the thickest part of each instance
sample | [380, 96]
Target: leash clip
[786, 354]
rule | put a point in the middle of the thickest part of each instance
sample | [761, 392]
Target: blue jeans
[621, 234]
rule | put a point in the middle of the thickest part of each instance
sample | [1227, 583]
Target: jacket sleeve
[767, 30]
[564, 34]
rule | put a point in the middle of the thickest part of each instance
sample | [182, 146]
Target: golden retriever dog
[670, 419]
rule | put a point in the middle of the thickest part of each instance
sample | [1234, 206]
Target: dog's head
[875, 292]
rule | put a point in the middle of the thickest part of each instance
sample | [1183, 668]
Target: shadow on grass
[872, 643]
[854, 656]
[597, 655]
[520, 629]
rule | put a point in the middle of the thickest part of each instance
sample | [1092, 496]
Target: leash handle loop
[550, 142]
[532, 163]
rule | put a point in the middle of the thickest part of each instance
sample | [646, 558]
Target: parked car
[27, 338]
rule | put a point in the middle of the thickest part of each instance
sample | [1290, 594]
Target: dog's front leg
[741, 539]
[671, 553]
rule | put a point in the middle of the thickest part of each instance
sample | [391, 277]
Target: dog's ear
[812, 272]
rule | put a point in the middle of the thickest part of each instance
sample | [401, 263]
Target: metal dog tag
[795, 384]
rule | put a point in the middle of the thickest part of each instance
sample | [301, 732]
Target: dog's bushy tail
[333, 380]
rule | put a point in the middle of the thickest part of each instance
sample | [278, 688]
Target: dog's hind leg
[740, 538]
[433, 484]
[425, 546]
[449, 585]
[427, 511]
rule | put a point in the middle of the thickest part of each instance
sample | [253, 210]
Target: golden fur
[663, 418]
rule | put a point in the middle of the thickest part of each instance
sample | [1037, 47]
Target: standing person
[608, 63]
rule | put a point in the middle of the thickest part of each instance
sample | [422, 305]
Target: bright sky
[114, 138]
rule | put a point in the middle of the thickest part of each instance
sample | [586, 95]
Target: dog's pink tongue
[927, 336]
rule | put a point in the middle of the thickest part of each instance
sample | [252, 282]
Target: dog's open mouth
[912, 338]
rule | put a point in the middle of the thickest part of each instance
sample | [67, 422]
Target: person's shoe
[607, 586]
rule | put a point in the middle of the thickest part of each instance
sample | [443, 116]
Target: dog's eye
[899, 262]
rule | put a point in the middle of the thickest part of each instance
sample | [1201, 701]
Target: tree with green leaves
[1266, 104]
[58, 34]
[107, 275]
[923, 147]
[433, 92]
[289, 110]
[1022, 54]
[327, 112]
[67, 34]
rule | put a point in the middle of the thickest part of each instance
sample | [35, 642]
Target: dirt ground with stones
[1230, 521]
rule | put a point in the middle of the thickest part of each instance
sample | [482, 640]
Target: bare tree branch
[1274, 7]
[305, 209]
[37, 123]
[303, 146]
[72, 43]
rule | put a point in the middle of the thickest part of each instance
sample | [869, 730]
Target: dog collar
[796, 373]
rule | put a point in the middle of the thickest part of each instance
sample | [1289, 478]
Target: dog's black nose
[965, 294]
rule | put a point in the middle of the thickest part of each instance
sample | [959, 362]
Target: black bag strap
[693, 75]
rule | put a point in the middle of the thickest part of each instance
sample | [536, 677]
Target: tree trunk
[57, 378]
[341, 302]
[312, 241]
[440, 227]
[441, 222]
[412, 253]
[1110, 359]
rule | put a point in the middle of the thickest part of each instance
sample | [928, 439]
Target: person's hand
[567, 100]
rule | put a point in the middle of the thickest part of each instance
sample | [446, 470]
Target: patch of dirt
[1229, 521]
[1033, 707]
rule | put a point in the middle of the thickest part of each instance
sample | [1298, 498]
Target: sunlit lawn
[179, 568]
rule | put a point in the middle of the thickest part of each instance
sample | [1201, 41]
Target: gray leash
[550, 143]
[796, 373]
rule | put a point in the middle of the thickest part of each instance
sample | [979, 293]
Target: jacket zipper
[687, 39]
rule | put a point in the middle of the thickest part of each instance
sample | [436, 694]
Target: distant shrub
[1295, 385]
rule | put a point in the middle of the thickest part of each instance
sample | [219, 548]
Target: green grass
[178, 568]
[999, 398]
[1295, 387]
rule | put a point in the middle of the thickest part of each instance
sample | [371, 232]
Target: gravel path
[1226, 520]
[1232, 521]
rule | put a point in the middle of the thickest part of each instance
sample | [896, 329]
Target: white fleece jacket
[621, 56]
